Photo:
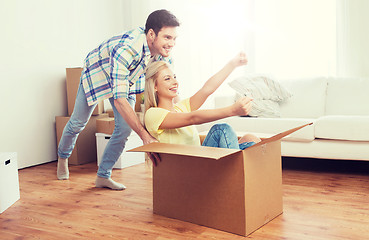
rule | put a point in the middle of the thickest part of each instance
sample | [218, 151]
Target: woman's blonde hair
[150, 96]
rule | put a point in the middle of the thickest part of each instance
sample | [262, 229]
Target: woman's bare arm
[177, 120]
[198, 99]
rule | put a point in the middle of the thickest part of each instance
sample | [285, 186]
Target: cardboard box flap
[280, 135]
[186, 150]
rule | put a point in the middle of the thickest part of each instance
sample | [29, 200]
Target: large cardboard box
[237, 191]
[73, 81]
[9, 182]
[126, 159]
[85, 148]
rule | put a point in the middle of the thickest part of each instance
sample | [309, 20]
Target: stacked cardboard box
[105, 125]
[85, 148]
[73, 82]
[110, 112]
[105, 128]
[126, 159]
[139, 102]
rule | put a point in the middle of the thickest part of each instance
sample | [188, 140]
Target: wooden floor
[319, 203]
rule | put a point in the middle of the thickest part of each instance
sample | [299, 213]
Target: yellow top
[185, 135]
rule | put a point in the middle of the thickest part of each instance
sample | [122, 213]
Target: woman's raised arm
[216, 80]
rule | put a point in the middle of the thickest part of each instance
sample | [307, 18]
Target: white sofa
[338, 107]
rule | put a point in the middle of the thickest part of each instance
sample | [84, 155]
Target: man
[115, 70]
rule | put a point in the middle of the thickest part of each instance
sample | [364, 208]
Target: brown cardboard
[105, 125]
[237, 191]
[110, 112]
[73, 76]
[139, 101]
[280, 135]
[85, 148]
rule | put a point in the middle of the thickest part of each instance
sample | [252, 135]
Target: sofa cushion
[327, 149]
[260, 87]
[265, 91]
[347, 96]
[354, 128]
[273, 126]
[308, 98]
[263, 108]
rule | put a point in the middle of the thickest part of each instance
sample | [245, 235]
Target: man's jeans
[77, 122]
[223, 136]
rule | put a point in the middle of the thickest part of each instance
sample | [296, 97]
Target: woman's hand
[239, 60]
[242, 107]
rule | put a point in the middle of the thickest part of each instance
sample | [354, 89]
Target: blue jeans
[77, 122]
[223, 136]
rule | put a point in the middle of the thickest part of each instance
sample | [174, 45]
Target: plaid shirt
[116, 68]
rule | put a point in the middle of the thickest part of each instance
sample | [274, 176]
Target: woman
[174, 123]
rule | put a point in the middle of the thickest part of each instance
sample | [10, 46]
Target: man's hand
[154, 157]
[130, 117]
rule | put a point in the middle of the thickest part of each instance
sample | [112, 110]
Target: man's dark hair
[160, 18]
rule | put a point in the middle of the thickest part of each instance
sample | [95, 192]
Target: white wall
[39, 39]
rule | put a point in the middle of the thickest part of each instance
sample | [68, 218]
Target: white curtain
[352, 38]
[296, 38]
